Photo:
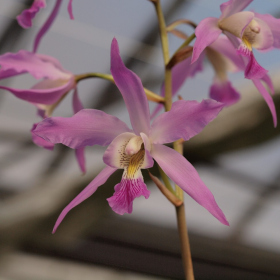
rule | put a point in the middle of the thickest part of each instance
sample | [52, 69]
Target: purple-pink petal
[206, 33]
[42, 96]
[80, 156]
[125, 192]
[70, 10]
[186, 177]
[38, 66]
[46, 25]
[269, 83]
[223, 91]
[99, 180]
[86, 128]
[233, 6]
[132, 91]
[268, 99]
[40, 141]
[77, 104]
[26, 17]
[184, 120]
[274, 24]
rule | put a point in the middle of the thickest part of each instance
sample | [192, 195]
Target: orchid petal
[236, 23]
[268, 99]
[132, 91]
[40, 141]
[80, 156]
[126, 191]
[99, 180]
[269, 83]
[184, 120]
[222, 91]
[86, 128]
[206, 33]
[37, 66]
[148, 159]
[46, 25]
[274, 25]
[70, 10]
[186, 177]
[45, 95]
[233, 6]
[26, 17]
[77, 104]
[223, 46]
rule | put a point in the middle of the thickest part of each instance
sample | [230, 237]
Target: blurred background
[237, 156]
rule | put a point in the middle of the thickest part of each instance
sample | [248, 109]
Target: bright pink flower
[246, 30]
[133, 150]
[45, 95]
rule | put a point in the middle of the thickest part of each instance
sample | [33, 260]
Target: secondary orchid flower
[133, 150]
[26, 17]
[246, 30]
[46, 94]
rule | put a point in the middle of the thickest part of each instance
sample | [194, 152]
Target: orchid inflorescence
[227, 42]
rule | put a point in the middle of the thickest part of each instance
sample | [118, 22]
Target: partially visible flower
[133, 150]
[27, 15]
[45, 95]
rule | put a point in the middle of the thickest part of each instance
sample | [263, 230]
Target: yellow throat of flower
[135, 163]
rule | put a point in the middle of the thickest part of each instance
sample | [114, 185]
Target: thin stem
[165, 180]
[185, 243]
[180, 210]
[150, 95]
[178, 146]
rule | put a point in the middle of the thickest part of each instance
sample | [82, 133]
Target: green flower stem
[180, 210]
[165, 180]
[178, 146]
[150, 95]
[185, 44]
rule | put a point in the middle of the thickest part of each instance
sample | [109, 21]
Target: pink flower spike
[26, 17]
[99, 180]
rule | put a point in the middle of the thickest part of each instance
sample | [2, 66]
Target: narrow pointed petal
[186, 177]
[40, 141]
[77, 104]
[86, 128]
[224, 92]
[184, 120]
[269, 83]
[206, 33]
[26, 17]
[126, 191]
[26, 62]
[99, 180]
[233, 6]
[268, 99]
[46, 25]
[42, 95]
[132, 91]
[274, 25]
[70, 10]
[80, 156]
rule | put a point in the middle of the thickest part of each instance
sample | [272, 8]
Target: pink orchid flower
[46, 94]
[26, 17]
[133, 150]
[246, 30]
